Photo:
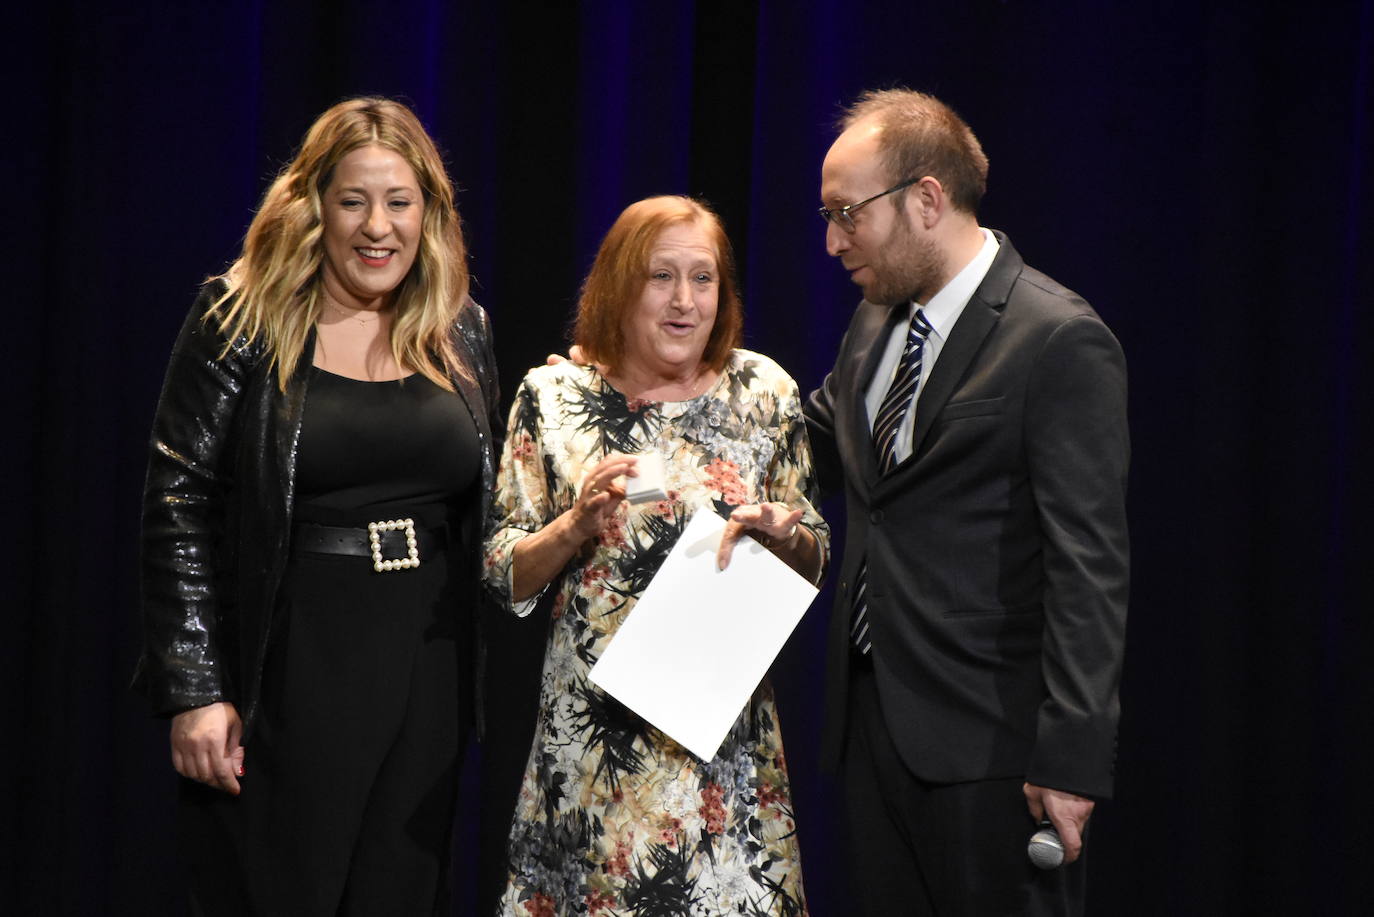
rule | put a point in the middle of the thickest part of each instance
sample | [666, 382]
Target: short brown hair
[621, 269]
[923, 136]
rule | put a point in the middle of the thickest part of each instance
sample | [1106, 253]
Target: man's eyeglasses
[843, 216]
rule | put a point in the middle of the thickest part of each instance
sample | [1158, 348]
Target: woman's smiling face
[373, 223]
[666, 332]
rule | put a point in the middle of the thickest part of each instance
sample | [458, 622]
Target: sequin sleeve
[182, 664]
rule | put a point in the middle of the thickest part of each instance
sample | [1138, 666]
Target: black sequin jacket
[217, 508]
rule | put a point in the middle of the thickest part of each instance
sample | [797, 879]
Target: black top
[220, 493]
[374, 450]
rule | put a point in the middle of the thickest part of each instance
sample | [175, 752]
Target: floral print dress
[614, 818]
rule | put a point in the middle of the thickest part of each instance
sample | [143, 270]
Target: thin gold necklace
[356, 315]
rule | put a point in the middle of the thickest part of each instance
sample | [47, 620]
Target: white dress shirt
[942, 312]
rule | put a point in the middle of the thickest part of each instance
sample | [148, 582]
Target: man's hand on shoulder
[574, 356]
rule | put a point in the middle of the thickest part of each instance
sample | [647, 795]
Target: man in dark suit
[975, 420]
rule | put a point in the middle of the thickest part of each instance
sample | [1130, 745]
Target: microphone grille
[1045, 849]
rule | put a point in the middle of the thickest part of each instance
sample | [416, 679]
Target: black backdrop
[1199, 171]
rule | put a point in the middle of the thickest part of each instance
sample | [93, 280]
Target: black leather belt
[391, 544]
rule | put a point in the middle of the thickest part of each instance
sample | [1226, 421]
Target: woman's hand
[772, 525]
[205, 745]
[540, 557]
[600, 496]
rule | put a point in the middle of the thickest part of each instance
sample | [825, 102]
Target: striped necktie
[886, 424]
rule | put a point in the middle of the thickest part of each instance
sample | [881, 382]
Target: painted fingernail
[239, 772]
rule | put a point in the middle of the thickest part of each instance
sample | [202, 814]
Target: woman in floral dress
[613, 816]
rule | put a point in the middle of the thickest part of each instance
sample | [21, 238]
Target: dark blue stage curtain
[1199, 171]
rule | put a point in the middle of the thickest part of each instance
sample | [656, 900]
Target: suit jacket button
[876, 517]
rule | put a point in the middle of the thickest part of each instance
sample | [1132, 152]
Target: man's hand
[205, 745]
[1068, 813]
[574, 356]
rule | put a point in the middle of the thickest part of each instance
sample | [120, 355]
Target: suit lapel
[968, 334]
[979, 317]
[873, 327]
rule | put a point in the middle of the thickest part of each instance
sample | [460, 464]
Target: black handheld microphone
[1045, 849]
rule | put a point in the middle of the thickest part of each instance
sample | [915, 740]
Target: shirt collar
[944, 307]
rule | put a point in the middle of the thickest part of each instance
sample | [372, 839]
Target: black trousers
[918, 848]
[351, 775]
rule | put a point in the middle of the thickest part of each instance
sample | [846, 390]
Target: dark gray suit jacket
[997, 553]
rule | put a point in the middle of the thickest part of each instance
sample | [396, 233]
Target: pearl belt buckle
[386, 565]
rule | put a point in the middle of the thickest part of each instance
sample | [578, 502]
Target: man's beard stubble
[910, 268]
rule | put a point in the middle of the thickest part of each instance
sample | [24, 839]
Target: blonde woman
[321, 459]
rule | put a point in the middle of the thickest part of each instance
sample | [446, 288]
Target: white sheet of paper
[690, 654]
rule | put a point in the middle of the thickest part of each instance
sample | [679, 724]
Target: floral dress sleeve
[532, 485]
[791, 476]
[529, 494]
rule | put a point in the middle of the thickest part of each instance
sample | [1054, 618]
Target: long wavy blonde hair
[275, 286]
